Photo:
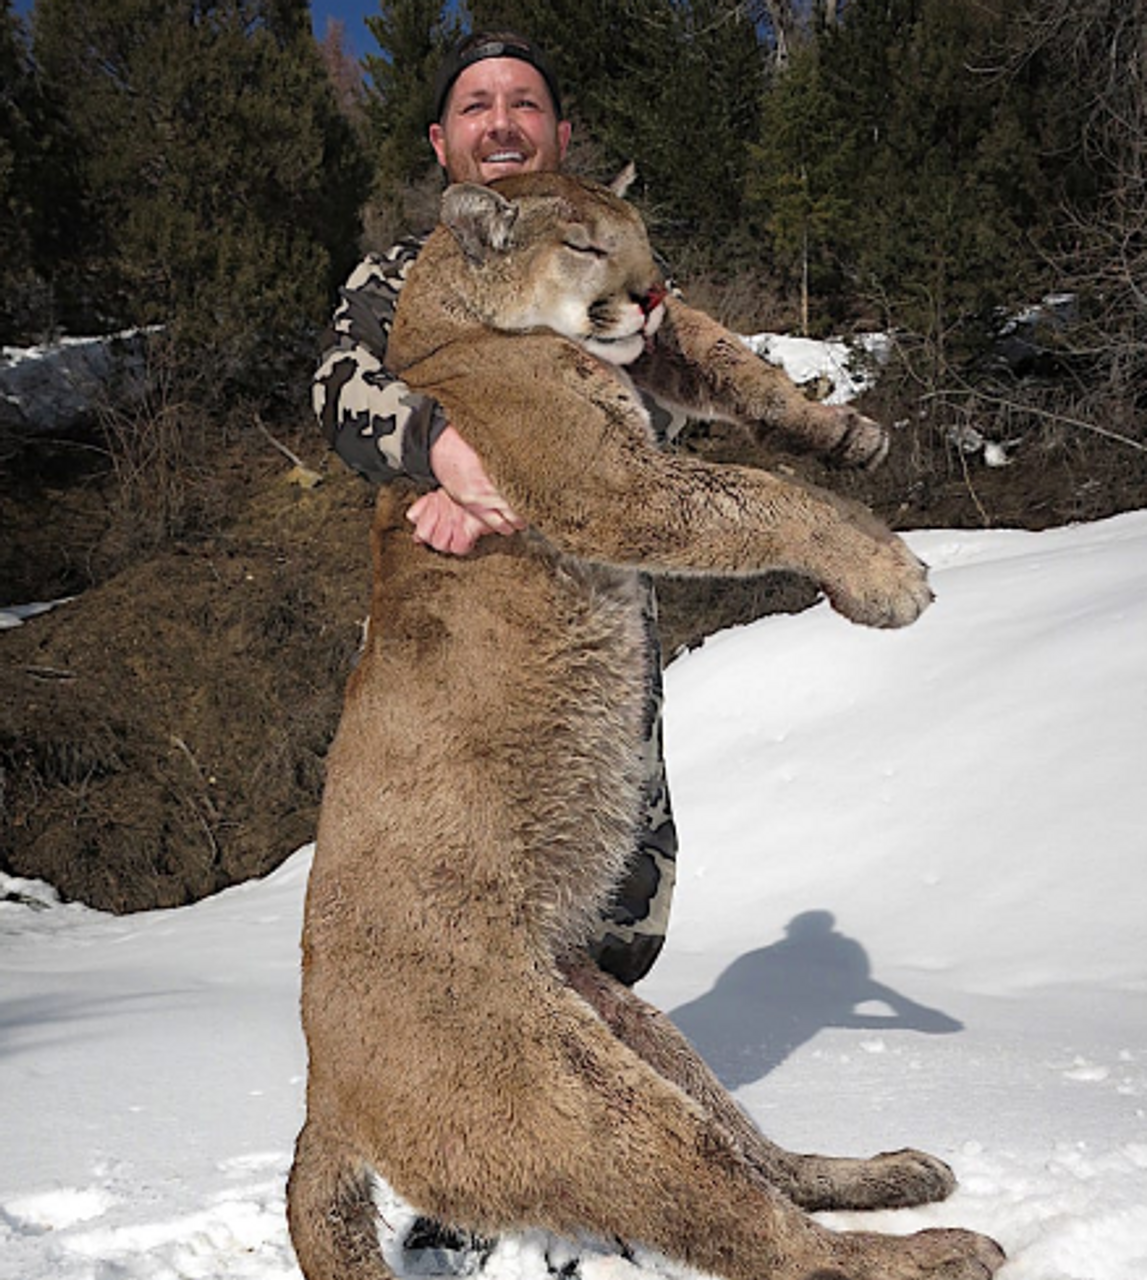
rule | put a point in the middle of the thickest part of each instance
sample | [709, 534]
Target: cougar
[483, 788]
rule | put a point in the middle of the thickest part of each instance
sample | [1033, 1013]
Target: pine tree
[799, 179]
[413, 37]
[1097, 50]
[947, 182]
[221, 175]
[346, 75]
[704, 111]
[41, 229]
[16, 160]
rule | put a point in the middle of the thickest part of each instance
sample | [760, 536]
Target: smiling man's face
[499, 119]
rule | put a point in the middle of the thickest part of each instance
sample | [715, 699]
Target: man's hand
[467, 506]
[441, 523]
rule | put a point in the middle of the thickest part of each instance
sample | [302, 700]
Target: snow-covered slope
[912, 910]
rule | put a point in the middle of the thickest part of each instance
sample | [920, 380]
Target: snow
[15, 615]
[845, 367]
[50, 350]
[911, 912]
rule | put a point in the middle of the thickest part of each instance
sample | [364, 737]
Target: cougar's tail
[330, 1212]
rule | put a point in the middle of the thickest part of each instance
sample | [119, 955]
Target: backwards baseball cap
[480, 45]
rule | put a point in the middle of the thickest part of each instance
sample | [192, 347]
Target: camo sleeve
[373, 421]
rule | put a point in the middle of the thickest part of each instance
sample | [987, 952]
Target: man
[497, 111]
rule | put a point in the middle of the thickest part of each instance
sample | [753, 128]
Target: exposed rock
[54, 388]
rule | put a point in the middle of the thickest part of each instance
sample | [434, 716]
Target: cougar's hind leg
[892, 1180]
[331, 1213]
[629, 1156]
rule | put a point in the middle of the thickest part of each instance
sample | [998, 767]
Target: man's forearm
[372, 420]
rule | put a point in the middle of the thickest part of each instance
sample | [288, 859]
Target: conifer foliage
[413, 36]
[18, 94]
[39, 223]
[951, 191]
[921, 164]
[219, 177]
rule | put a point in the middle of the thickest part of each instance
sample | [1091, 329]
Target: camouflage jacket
[373, 421]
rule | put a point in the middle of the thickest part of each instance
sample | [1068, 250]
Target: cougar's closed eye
[590, 249]
[578, 238]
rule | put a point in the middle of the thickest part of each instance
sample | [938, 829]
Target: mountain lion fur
[484, 785]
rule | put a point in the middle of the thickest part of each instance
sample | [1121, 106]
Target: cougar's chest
[496, 725]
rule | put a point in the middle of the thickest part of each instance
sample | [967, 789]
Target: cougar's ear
[624, 180]
[479, 218]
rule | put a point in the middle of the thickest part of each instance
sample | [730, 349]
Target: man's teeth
[506, 157]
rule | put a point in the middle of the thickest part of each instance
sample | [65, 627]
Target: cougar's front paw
[888, 588]
[861, 442]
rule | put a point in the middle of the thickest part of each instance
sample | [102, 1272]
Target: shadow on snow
[771, 1001]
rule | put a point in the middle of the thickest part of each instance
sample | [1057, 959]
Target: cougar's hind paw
[945, 1253]
[955, 1254]
[912, 1177]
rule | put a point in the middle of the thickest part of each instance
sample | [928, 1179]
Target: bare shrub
[983, 447]
[748, 301]
[407, 209]
[164, 448]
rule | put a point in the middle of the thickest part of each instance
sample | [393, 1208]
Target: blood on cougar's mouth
[653, 299]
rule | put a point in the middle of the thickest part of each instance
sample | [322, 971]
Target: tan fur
[484, 786]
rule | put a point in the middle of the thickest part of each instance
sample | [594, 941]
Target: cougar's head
[551, 251]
